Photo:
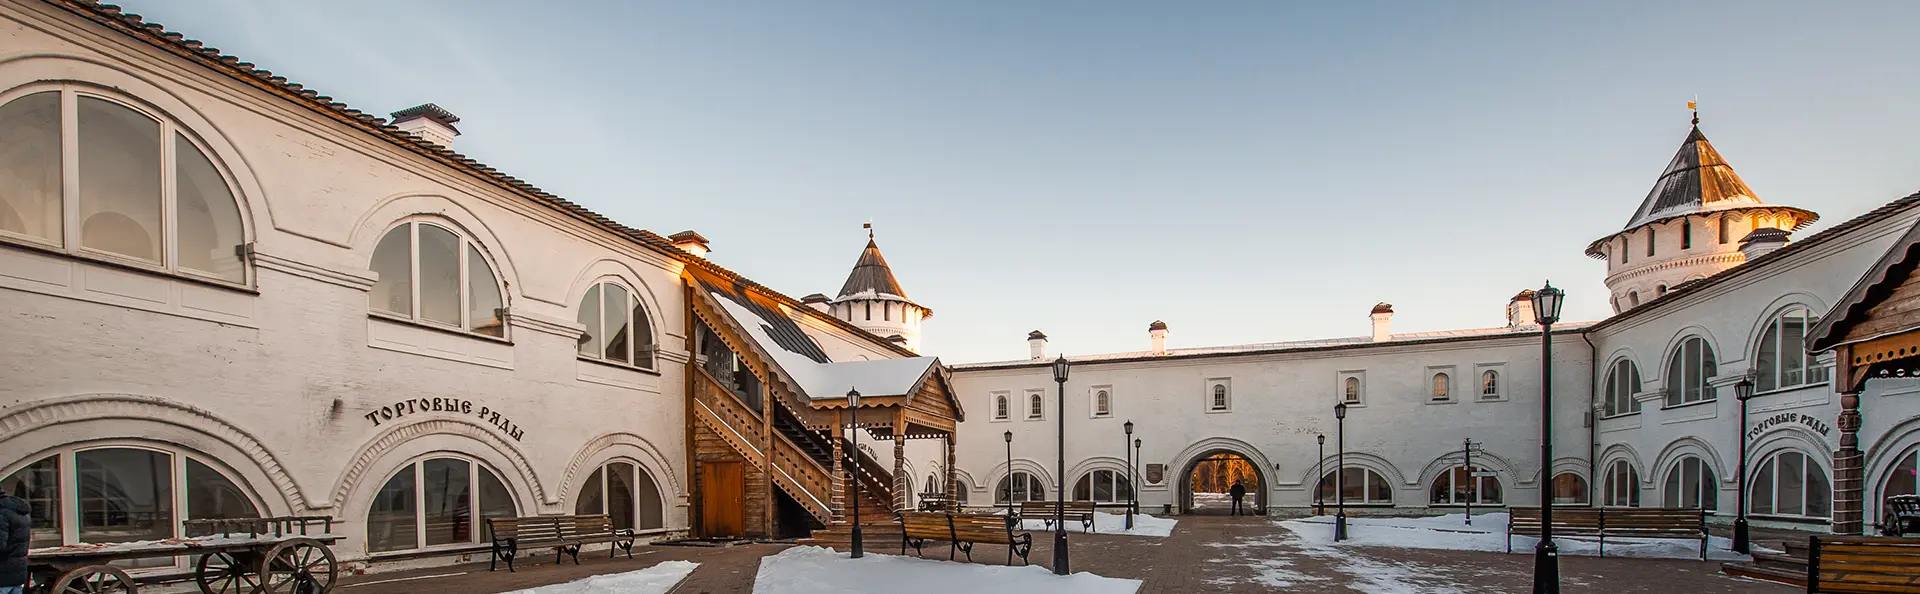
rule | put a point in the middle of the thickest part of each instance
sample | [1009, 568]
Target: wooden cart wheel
[222, 573]
[298, 566]
[94, 579]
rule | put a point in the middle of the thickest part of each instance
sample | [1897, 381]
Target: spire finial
[869, 227]
[1695, 106]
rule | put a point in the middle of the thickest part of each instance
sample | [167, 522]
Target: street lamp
[1320, 501]
[1340, 472]
[1133, 492]
[1546, 556]
[1009, 436]
[1742, 391]
[1123, 445]
[1060, 470]
[853, 407]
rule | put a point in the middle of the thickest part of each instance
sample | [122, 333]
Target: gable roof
[247, 73]
[1892, 269]
[871, 277]
[815, 375]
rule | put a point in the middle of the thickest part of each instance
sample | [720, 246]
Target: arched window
[121, 494]
[1659, 290]
[1219, 397]
[1569, 489]
[1036, 406]
[1789, 483]
[1623, 381]
[618, 329]
[1352, 390]
[1442, 386]
[1102, 403]
[140, 180]
[1489, 385]
[1622, 487]
[435, 502]
[625, 493]
[1000, 407]
[1460, 485]
[1783, 361]
[1650, 236]
[429, 273]
[1362, 487]
[1019, 486]
[1104, 486]
[1690, 484]
[1689, 371]
[1686, 235]
[1633, 299]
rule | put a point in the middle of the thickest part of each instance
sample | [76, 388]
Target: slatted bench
[1900, 516]
[964, 531]
[1857, 565]
[564, 534]
[1080, 511]
[1617, 522]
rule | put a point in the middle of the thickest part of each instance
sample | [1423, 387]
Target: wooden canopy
[1874, 330]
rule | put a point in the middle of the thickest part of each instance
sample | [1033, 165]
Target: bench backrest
[1655, 522]
[527, 528]
[1037, 508]
[981, 527]
[924, 525]
[1849, 564]
[591, 525]
[1526, 520]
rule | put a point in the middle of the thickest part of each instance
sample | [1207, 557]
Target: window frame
[1115, 480]
[1366, 487]
[1674, 488]
[1498, 383]
[1693, 378]
[417, 465]
[1032, 481]
[634, 348]
[1002, 403]
[1612, 389]
[1036, 405]
[1439, 385]
[1585, 491]
[468, 246]
[1095, 395]
[603, 470]
[1451, 476]
[1612, 492]
[1770, 373]
[1358, 381]
[169, 128]
[1769, 467]
[1218, 395]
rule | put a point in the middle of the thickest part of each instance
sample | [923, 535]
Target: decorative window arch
[1569, 488]
[1103, 486]
[147, 193]
[430, 273]
[1000, 407]
[1362, 486]
[1442, 386]
[1623, 381]
[1690, 483]
[1782, 360]
[1622, 486]
[1790, 483]
[124, 492]
[1689, 372]
[618, 327]
[1490, 385]
[1019, 486]
[1460, 485]
[435, 502]
[625, 493]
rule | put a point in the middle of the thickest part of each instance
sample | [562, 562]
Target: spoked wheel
[298, 566]
[223, 573]
[96, 579]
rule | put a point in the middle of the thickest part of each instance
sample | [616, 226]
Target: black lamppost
[853, 407]
[1339, 472]
[1133, 493]
[1060, 470]
[1546, 556]
[1744, 392]
[1319, 500]
[1009, 436]
[1124, 445]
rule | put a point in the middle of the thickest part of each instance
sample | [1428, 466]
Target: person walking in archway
[1239, 493]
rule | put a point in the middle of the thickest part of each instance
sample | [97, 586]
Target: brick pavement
[1204, 554]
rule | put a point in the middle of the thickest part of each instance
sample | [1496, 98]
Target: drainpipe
[1593, 420]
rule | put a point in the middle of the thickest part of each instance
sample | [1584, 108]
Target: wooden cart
[283, 555]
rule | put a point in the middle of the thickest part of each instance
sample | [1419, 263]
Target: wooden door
[723, 499]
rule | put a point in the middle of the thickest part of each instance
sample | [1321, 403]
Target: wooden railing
[793, 471]
[803, 478]
[872, 477]
[729, 418]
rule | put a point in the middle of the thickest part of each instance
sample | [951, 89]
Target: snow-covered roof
[830, 380]
[1294, 345]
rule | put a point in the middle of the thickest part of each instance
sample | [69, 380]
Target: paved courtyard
[1204, 554]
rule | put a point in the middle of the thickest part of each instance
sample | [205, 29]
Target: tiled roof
[1697, 180]
[871, 276]
[113, 17]
[1324, 344]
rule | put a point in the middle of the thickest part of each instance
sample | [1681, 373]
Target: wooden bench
[1617, 522]
[1863, 564]
[1900, 516]
[964, 531]
[1081, 511]
[564, 534]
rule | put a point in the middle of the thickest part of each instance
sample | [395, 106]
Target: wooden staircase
[1789, 567]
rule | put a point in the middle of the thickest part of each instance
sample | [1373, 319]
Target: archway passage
[1207, 484]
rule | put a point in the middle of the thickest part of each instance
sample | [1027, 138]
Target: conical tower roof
[1697, 181]
[871, 276]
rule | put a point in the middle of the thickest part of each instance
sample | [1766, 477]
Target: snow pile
[1106, 523]
[658, 579]
[1489, 533]
[806, 570]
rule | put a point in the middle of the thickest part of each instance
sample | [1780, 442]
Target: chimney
[818, 302]
[690, 242]
[1158, 331]
[429, 122]
[1520, 310]
[1762, 241]
[1037, 345]
[1382, 312]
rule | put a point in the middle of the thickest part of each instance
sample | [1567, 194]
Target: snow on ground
[1489, 533]
[658, 579]
[807, 570]
[1106, 523]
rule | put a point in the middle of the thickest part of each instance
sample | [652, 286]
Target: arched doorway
[1207, 480]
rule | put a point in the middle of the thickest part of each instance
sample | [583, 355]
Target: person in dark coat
[1239, 492]
[16, 531]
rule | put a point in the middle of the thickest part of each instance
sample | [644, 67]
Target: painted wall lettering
[446, 405]
[1787, 418]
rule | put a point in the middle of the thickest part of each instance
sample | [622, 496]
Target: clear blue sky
[1246, 171]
